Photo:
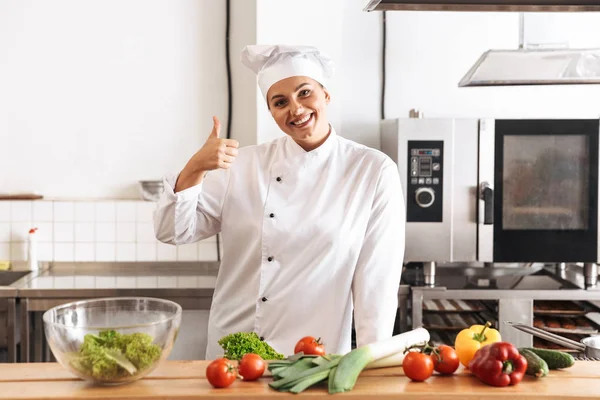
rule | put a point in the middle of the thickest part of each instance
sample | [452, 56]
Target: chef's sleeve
[192, 214]
[377, 276]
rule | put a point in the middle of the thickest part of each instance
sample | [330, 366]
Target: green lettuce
[238, 344]
[112, 356]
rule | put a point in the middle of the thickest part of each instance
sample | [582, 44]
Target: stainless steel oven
[497, 190]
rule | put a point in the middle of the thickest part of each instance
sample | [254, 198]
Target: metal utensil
[589, 346]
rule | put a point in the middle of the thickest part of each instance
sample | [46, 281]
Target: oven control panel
[425, 181]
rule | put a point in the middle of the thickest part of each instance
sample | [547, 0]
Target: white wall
[97, 95]
[243, 33]
[360, 73]
[577, 30]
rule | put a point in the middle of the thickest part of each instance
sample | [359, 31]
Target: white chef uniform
[308, 238]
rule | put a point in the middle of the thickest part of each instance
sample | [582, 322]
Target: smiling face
[299, 107]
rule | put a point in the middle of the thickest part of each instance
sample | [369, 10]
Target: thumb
[216, 130]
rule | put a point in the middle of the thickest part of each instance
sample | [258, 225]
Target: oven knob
[424, 196]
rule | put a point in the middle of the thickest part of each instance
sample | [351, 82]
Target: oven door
[538, 187]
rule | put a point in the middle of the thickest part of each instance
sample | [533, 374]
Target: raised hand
[214, 154]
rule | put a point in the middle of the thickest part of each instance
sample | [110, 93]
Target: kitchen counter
[62, 280]
[186, 379]
[7, 292]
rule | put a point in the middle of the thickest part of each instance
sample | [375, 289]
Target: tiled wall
[119, 230]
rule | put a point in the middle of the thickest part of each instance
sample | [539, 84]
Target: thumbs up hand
[215, 153]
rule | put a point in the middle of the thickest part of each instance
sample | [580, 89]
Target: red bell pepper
[498, 364]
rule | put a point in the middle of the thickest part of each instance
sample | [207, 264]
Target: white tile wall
[91, 231]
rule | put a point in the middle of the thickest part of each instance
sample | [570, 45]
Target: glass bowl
[112, 340]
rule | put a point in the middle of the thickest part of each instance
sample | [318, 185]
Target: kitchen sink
[9, 277]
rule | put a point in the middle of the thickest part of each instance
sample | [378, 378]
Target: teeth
[301, 121]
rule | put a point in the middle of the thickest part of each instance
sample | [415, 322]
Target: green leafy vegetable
[113, 356]
[238, 344]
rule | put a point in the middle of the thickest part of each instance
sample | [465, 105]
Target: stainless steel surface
[590, 273]
[7, 278]
[8, 308]
[429, 273]
[534, 67]
[463, 212]
[515, 310]
[402, 315]
[67, 326]
[74, 280]
[488, 271]
[25, 330]
[11, 330]
[453, 239]
[485, 233]
[482, 6]
[561, 266]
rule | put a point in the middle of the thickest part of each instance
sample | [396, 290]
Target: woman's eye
[279, 103]
[305, 92]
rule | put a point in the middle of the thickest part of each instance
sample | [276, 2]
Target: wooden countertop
[186, 380]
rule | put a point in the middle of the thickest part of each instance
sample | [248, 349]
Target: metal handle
[551, 337]
[487, 195]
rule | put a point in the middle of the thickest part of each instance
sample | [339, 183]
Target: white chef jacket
[308, 238]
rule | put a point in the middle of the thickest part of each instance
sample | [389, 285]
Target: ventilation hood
[484, 5]
[553, 63]
[535, 67]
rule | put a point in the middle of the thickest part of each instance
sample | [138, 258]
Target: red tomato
[445, 360]
[417, 366]
[251, 367]
[220, 373]
[310, 345]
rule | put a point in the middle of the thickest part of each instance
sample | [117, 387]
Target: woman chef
[312, 224]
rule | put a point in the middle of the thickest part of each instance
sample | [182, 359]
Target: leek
[351, 364]
[395, 360]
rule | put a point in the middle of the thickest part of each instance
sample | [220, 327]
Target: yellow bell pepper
[469, 340]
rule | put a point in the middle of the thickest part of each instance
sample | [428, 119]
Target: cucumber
[554, 358]
[536, 366]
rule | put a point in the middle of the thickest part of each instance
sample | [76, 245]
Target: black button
[271, 215]
[264, 299]
[278, 179]
[270, 259]
[262, 338]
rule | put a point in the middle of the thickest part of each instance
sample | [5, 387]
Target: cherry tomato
[417, 366]
[310, 345]
[251, 367]
[220, 373]
[445, 360]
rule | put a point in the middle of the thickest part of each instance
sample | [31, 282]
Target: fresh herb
[238, 344]
[112, 356]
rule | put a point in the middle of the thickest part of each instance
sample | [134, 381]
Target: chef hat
[274, 63]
